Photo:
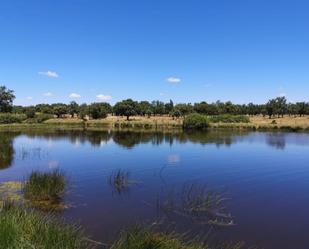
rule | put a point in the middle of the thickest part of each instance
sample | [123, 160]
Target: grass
[45, 189]
[144, 238]
[120, 180]
[139, 238]
[289, 123]
[22, 228]
[199, 204]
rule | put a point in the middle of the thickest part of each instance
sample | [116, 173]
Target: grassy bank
[27, 228]
[167, 123]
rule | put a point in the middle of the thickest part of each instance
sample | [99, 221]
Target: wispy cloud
[74, 96]
[173, 80]
[48, 94]
[29, 98]
[102, 97]
[50, 74]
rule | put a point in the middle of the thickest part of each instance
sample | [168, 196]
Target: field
[165, 122]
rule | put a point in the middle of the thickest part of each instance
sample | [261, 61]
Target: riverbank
[163, 123]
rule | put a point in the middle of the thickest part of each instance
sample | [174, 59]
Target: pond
[259, 179]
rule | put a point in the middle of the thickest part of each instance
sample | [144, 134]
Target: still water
[263, 179]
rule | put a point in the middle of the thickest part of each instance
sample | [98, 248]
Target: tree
[175, 113]
[73, 108]
[6, 99]
[98, 110]
[30, 112]
[270, 107]
[281, 106]
[59, 109]
[126, 108]
[144, 106]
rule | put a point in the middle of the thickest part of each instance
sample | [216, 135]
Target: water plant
[26, 228]
[144, 238]
[120, 180]
[199, 204]
[45, 189]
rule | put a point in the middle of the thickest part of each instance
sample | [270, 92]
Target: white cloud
[161, 94]
[173, 80]
[103, 97]
[50, 74]
[48, 94]
[74, 95]
[29, 98]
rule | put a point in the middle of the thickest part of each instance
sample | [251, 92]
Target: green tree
[126, 108]
[6, 99]
[98, 110]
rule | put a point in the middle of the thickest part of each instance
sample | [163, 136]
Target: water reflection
[130, 139]
[6, 150]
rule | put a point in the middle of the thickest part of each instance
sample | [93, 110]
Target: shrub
[227, 118]
[39, 118]
[195, 121]
[26, 228]
[30, 112]
[45, 189]
[9, 118]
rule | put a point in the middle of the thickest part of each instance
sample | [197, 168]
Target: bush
[39, 118]
[9, 118]
[195, 121]
[30, 112]
[26, 228]
[227, 118]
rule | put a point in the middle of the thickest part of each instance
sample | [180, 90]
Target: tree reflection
[6, 150]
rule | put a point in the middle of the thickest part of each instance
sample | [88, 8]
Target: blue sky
[187, 51]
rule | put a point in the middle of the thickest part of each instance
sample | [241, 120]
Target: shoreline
[151, 125]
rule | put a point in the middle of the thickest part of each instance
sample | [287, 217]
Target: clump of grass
[45, 189]
[145, 238]
[27, 228]
[200, 205]
[120, 180]
[141, 238]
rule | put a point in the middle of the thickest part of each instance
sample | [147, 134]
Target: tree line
[274, 107]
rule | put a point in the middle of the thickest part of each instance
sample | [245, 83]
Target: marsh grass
[146, 238]
[199, 204]
[120, 180]
[22, 228]
[46, 189]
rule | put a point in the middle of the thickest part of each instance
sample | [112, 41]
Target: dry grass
[164, 122]
[302, 122]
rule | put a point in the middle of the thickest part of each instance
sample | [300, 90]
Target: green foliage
[30, 112]
[227, 118]
[126, 108]
[46, 188]
[99, 110]
[6, 99]
[8, 118]
[39, 118]
[175, 113]
[22, 228]
[195, 121]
